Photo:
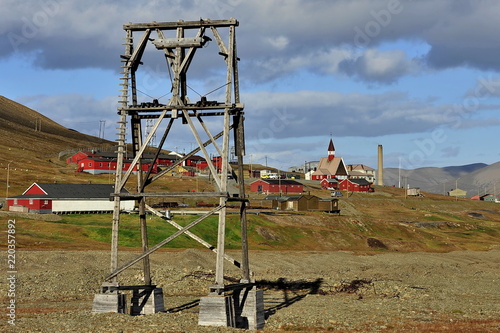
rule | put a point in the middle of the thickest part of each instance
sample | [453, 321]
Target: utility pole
[251, 167]
[38, 124]
[399, 173]
[8, 184]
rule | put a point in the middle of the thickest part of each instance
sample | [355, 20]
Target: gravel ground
[304, 291]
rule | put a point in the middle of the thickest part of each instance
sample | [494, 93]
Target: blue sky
[420, 78]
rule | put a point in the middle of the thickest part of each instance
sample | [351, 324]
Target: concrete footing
[145, 300]
[216, 311]
[244, 308]
[109, 302]
[249, 308]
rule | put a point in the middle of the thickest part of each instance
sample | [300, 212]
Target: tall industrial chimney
[380, 171]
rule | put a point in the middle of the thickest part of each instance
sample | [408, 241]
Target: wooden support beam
[200, 109]
[220, 42]
[120, 152]
[204, 151]
[196, 150]
[239, 143]
[180, 23]
[221, 231]
[212, 139]
[141, 151]
[135, 58]
[163, 242]
[134, 196]
[158, 150]
[193, 236]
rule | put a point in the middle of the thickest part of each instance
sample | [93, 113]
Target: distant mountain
[477, 178]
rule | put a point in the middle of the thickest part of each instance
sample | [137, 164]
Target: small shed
[60, 198]
[458, 193]
[298, 203]
[413, 192]
[329, 205]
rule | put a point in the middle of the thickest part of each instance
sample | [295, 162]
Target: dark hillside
[18, 120]
[31, 144]
[457, 171]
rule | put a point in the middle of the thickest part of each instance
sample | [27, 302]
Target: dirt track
[304, 291]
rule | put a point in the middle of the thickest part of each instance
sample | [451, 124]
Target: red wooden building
[98, 166]
[216, 162]
[355, 185]
[330, 184]
[276, 186]
[105, 162]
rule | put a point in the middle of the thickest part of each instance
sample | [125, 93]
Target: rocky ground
[304, 291]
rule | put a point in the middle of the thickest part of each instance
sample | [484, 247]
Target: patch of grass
[434, 218]
[98, 234]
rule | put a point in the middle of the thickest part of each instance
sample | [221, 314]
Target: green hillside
[371, 222]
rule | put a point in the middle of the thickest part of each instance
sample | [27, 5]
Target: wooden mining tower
[235, 305]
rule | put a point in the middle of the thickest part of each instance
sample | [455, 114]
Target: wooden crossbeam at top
[180, 24]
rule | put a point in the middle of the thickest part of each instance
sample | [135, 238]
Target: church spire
[331, 151]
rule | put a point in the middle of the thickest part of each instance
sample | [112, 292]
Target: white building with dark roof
[60, 198]
[361, 171]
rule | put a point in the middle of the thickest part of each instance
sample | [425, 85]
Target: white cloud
[279, 43]
[377, 66]
[312, 113]
[486, 86]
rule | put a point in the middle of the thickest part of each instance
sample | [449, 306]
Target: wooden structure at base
[179, 42]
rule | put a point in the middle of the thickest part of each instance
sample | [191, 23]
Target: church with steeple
[331, 166]
[331, 151]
